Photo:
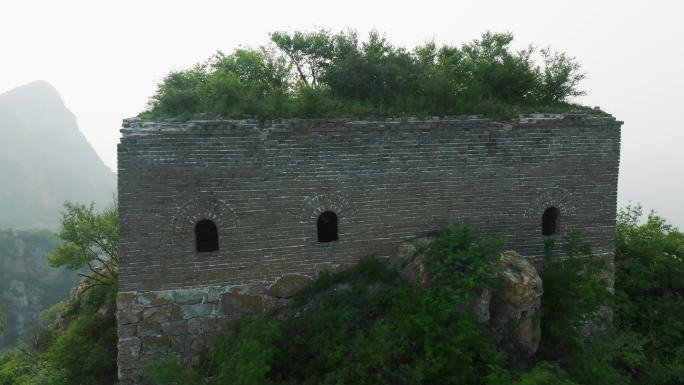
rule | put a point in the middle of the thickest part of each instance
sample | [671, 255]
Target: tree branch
[299, 69]
[93, 278]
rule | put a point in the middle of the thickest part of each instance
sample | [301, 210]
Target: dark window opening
[551, 221]
[206, 235]
[327, 227]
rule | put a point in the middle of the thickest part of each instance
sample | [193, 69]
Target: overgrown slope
[367, 326]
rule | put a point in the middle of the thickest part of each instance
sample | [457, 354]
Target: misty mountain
[45, 159]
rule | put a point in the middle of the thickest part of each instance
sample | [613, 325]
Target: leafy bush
[543, 374]
[85, 350]
[82, 353]
[650, 295]
[576, 333]
[320, 74]
[366, 326]
[573, 293]
[76, 341]
[645, 343]
[168, 371]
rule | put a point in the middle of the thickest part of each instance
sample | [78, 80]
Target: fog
[106, 57]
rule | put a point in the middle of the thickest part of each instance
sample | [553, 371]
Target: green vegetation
[76, 344]
[90, 240]
[76, 341]
[325, 74]
[649, 288]
[366, 325]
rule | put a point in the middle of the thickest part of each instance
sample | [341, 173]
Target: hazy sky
[106, 57]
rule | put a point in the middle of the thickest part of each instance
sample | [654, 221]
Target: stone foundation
[184, 322]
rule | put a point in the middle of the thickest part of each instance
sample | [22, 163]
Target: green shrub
[82, 353]
[576, 334]
[649, 287]
[86, 352]
[365, 325]
[322, 74]
[15, 367]
[543, 374]
[573, 293]
[168, 371]
[645, 344]
[245, 359]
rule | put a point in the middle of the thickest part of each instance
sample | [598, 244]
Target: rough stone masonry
[227, 217]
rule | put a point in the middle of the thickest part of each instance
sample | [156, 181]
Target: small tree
[90, 241]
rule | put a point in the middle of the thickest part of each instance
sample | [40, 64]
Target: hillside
[28, 285]
[376, 324]
[45, 159]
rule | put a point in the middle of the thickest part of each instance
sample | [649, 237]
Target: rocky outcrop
[410, 262]
[184, 322]
[515, 304]
[511, 310]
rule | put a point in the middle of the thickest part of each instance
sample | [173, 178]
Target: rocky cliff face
[27, 284]
[45, 159]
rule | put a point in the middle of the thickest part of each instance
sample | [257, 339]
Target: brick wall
[264, 185]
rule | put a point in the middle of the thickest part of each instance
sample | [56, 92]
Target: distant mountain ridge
[45, 159]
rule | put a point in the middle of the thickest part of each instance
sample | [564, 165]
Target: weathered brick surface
[265, 183]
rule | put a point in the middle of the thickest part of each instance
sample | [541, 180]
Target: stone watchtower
[225, 217]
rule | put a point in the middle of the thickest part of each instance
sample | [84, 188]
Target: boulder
[515, 304]
[511, 310]
[411, 263]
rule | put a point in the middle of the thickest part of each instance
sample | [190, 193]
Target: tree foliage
[649, 290]
[76, 341]
[90, 241]
[321, 73]
[366, 325]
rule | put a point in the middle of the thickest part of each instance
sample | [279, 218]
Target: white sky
[106, 57]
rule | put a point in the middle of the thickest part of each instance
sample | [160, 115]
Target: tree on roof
[322, 74]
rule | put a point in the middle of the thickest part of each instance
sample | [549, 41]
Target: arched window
[327, 227]
[206, 236]
[551, 221]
